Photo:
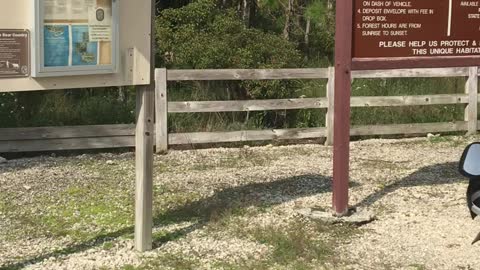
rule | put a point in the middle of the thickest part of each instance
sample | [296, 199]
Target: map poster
[14, 53]
[84, 52]
[56, 45]
[77, 32]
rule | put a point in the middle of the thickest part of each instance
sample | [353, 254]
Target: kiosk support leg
[144, 168]
[144, 138]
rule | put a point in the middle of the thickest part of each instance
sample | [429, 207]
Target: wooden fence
[113, 136]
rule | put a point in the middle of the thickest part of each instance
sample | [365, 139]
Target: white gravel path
[411, 184]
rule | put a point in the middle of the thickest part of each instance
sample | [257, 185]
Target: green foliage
[71, 107]
[201, 35]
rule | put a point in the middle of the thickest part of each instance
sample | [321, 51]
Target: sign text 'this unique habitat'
[416, 28]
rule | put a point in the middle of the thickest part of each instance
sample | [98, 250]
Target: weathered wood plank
[77, 143]
[391, 101]
[246, 74]
[39, 145]
[310, 73]
[246, 105]
[246, 135]
[161, 111]
[411, 73]
[144, 140]
[408, 128]
[471, 110]
[311, 103]
[37, 133]
[331, 105]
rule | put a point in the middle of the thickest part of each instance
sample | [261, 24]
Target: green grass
[167, 261]
[418, 266]
[292, 244]
[301, 244]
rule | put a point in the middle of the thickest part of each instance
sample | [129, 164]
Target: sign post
[341, 127]
[394, 34]
[144, 136]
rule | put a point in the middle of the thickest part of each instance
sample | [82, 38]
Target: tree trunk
[246, 13]
[288, 15]
[307, 31]
[121, 94]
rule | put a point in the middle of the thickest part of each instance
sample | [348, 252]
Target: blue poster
[84, 52]
[56, 45]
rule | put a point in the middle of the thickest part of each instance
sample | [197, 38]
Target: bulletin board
[75, 37]
[74, 44]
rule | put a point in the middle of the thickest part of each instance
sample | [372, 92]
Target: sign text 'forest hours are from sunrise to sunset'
[416, 28]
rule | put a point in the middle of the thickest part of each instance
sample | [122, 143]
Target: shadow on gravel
[438, 174]
[211, 209]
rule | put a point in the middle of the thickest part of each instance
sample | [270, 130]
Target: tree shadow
[206, 210]
[438, 174]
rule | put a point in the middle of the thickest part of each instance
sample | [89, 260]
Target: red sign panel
[416, 28]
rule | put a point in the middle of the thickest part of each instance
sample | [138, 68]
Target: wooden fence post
[471, 88]
[331, 102]
[161, 111]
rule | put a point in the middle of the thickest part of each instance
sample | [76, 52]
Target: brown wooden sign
[14, 53]
[416, 28]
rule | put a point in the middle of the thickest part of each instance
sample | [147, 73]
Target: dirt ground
[238, 209]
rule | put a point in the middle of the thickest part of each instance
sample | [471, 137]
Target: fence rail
[113, 136]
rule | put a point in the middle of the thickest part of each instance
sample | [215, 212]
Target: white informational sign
[100, 24]
[67, 9]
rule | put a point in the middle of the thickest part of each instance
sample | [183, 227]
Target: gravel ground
[215, 208]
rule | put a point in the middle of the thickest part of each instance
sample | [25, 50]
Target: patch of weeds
[162, 237]
[301, 244]
[170, 261]
[295, 244]
[439, 139]
[129, 267]
[107, 246]
[232, 219]
[171, 207]
[165, 164]
[82, 219]
[418, 266]
[452, 141]
[76, 212]
[3, 203]
[119, 169]
[246, 265]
